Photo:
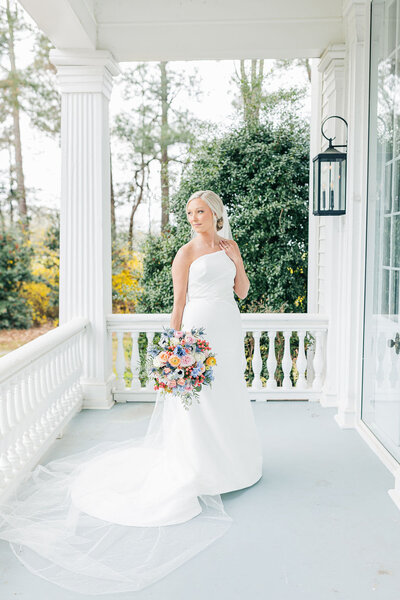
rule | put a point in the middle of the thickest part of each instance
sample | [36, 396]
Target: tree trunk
[251, 90]
[21, 194]
[135, 204]
[164, 148]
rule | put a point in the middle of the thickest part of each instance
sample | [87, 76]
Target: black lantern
[329, 178]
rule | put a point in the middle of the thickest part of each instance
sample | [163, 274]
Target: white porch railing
[302, 369]
[39, 393]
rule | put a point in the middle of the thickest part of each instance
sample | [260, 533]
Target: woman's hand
[232, 250]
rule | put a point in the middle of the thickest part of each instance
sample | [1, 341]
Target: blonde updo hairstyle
[214, 202]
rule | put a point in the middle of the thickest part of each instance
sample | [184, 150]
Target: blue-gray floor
[318, 525]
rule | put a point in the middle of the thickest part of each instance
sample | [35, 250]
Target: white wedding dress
[122, 515]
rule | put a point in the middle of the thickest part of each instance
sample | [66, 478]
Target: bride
[123, 514]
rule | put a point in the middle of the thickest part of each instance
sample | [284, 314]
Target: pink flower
[178, 333]
[167, 370]
[171, 383]
[181, 382]
[186, 360]
[189, 339]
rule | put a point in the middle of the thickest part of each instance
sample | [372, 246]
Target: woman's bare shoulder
[183, 255]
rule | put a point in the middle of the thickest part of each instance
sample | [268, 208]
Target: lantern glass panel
[333, 185]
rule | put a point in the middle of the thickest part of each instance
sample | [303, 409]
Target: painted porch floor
[319, 525]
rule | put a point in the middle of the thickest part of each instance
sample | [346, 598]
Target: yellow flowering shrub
[37, 296]
[127, 271]
[41, 294]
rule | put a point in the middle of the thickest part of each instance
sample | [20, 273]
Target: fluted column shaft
[85, 81]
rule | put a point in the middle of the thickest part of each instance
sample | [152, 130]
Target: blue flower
[196, 371]
[179, 351]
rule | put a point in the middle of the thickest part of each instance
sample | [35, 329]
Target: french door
[380, 408]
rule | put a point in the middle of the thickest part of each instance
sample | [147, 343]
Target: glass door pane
[381, 357]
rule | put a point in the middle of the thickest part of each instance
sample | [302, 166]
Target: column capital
[85, 70]
[334, 53]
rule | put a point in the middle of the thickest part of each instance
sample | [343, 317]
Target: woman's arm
[180, 274]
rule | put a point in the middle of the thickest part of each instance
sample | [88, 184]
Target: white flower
[157, 362]
[174, 341]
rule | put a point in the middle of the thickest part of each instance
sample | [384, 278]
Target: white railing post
[244, 359]
[318, 360]
[256, 362]
[135, 364]
[301, 361]
[271, 361]
[286, 360]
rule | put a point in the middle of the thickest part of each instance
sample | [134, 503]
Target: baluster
[310, 362]
[64, 400]
[42, 387]
[51, 413]
[150, 337]
[244, 360]
[62, 384]
[76, 370]
[5, 465]
[12, 419]
[256, 362]
[318, 360]
[271, 360]
[76, 357]
[38, 384]
[20, 414]
[78, 390]
[48, 381]
[49, 377]
[287, 360]
[120, 361]
[301, 362]
[34, 432]
[27, 408]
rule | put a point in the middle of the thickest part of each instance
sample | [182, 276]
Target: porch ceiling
[191, 29]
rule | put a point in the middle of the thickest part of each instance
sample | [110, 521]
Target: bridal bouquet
[181, 363]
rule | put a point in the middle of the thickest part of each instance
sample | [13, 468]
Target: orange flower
[174, 360]
[210, 361]
[163, 356]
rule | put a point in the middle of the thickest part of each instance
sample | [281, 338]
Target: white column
[356, 20]
[329, 229]
[85, 80]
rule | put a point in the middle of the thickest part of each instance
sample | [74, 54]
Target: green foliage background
[261, 174]
[15, 262]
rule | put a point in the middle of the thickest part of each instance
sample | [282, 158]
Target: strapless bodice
[211, 277]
